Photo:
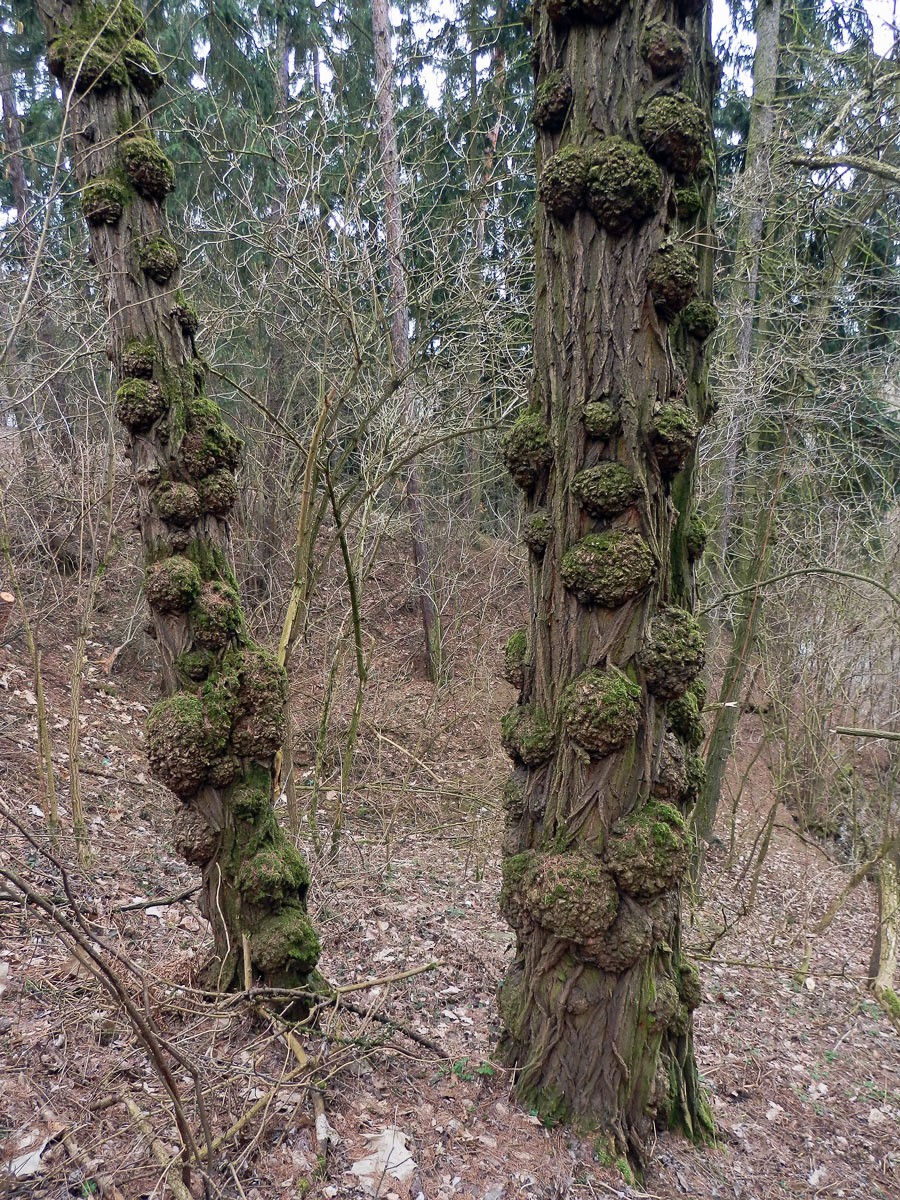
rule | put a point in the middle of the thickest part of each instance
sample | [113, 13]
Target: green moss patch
[275, 872]
[608, 568]
[606, 490]
[285, 946]
[186, 314]
[172, 584]
[601, 710]
[527, 451]
[208, 444]
[552, 101]
[562, 187]
[672, 277]
[674, 653]
[685, 719]
[139, 358]
[526, 735]
[512, 796]
[623, 185]
[696, 537]
[142, 66]
[674, 130]
[689, 987]
[673, 435]
[649, 850]
[688, 202]
[139, 404]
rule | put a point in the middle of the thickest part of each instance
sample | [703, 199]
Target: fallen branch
[158, 1150]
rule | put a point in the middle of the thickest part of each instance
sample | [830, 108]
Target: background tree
[597, 1005]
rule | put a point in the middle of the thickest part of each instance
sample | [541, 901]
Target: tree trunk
[212, 739]
[597, 1004]
[757, 184]
[399, 324]
[883, 968]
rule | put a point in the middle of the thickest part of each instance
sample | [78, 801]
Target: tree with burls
[213, 738]
[597, 1004]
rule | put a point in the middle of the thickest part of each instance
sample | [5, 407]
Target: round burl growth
[138, 359]
[674, 653]
[218, 493]
[142, 66]
[284, 946]
[194, 665]
[649, 850]
[88, 63]
[258, 729]
[537, 530]
[626, 941]
[673, 435]
[275, 872]
[216, 617]
[208, 445]
[601, 710]
[193, 839]
[172, 585]
[516, 660]
[685, 719]
[606, 490]
[139, 402]
[669, 775]
[526, 735]
[624, 186]
[666, 1009]
[672, 278]
[689, 986]
[159, 259]
[696, 537]
[562, 187]
[146, 167]
[179, 744]
[571, 896]
[664, 49]
[512, 796]
[177, 503]
[527, 451]
[186, 315]
[700, 319]
[688, 202]
[608, 568]
[552, 100]
[674, 130]
[601, 420]
[515, 868]
[103, 200]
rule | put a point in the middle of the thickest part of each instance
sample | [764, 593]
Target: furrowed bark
[597, 1004]
[213, 738]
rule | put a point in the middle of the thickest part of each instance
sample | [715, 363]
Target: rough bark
[597, 1003]
[213, 737]
[399, 322]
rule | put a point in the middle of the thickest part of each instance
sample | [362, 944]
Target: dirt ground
[802, 1070]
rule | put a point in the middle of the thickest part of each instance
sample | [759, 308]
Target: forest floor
[802, 1070]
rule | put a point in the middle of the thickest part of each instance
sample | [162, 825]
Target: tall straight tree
[597, 1003]
[399, 321]
[213, 738]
